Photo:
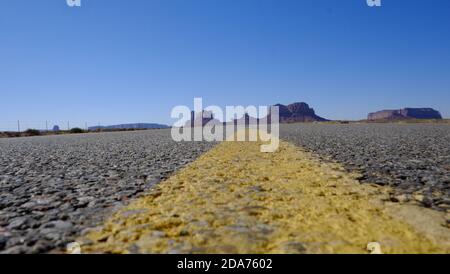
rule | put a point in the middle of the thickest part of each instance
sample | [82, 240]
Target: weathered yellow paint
[235, 199]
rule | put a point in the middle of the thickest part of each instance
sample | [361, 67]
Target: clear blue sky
[116, 61]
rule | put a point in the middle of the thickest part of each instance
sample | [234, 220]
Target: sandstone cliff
[406, 113]
[298, 112]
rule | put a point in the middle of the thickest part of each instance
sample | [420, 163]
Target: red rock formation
[298, 112]
[406, 113]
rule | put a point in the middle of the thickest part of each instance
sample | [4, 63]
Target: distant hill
[293, 113]
[298, 112]
[203, 118]
[406, 113]
[131, 126]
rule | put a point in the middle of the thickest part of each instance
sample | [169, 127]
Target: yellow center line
[235, 199]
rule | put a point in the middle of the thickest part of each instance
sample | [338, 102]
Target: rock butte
[406, 113]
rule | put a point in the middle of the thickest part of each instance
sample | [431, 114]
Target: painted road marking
[235, 199]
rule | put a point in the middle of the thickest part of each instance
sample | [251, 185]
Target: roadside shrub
[76, 130]
[32, 132]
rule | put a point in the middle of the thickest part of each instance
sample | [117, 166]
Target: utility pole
[18, 126]
[46, 125]
[85, 125]
[68, 126]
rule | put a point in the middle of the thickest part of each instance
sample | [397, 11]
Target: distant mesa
[298, 112]
[206, 117]
[406, 113]
[130, 126]
[293, 113]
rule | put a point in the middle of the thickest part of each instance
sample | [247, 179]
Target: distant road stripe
[235, 199]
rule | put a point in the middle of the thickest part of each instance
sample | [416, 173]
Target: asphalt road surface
[413, 159]
[56, 187]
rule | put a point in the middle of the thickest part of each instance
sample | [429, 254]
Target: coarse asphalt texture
[237, 199]
[54, 188]
[413, 159]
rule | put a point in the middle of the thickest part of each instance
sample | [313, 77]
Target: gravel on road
[55, 188]
[413, 159]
